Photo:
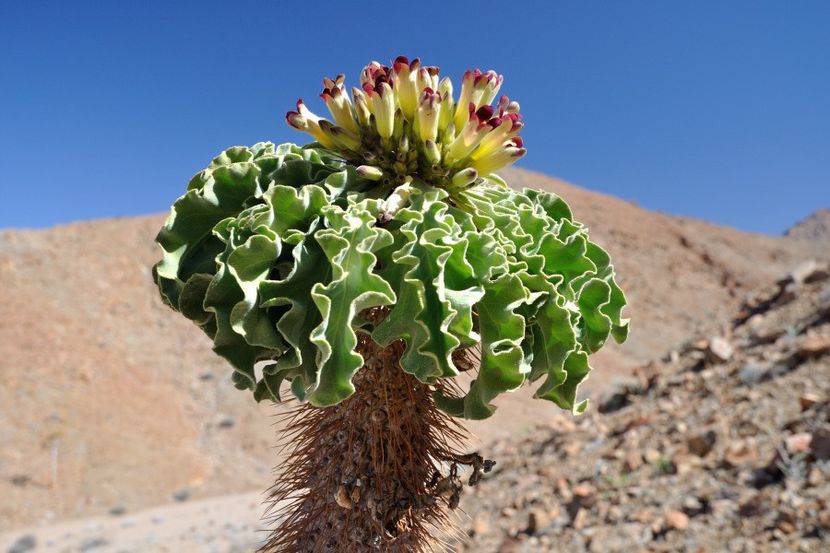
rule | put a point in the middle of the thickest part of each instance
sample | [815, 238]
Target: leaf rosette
[277, 252]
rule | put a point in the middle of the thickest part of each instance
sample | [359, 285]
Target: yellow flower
[404, 123]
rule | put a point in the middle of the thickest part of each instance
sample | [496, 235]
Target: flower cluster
[404, 122]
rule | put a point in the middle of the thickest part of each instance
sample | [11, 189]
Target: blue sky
[717, 110]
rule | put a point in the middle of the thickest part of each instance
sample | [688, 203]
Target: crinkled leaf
[349, 241]
[275, 251]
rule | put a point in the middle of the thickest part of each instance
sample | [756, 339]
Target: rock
[700, 345]
[633, 461]
[24, 544]
[571, 448]
[814, 346]
[755, 323]
[739, 454]
[652, 456]
[786, 522]
[767, 335]
[619, 395]
[619, 538]
[798, 443]
[692, 506]
[701, 444]
[93, 543]
[225, 421]
[538, 519]
[684, 463]
[808, 272]
[20, 480]
[753, 373]
[820, 444]
[720, 350]
[510, 545]
[753, 505]
[815, 478]
[807, 400]
[479, 527]
[561, 423]
[585, 494]
[579, 519]
[676, 520]
[182, 494]
[118, 510]
[563, 488]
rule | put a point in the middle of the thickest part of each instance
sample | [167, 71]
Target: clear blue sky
[717, 110]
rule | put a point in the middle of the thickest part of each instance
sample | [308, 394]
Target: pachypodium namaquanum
[395, 284]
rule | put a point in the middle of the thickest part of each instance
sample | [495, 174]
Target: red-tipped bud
[295, 120]
[484, 113]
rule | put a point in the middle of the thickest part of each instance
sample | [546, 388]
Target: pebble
[820, 444]
[182, 494]
[633, 461]
[814, 346]
[798, 443]
[652, 456]
[479, 527]
[809, 271]
[676, 520]
[118, 510]
[618, 395]
[24, 544]
[225, 421]
[93, 543]
[807, 400]
[579, 519]
[537, 519]
[739, 454]
[720, 349]
[752, 374]
[692, 506]
[701, 444]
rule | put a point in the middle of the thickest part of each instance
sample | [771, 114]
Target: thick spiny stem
[377, 472]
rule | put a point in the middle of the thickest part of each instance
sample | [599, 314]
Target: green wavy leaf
[274, 251]
[349, 240]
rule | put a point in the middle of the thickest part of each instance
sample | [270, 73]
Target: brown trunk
[377, 472]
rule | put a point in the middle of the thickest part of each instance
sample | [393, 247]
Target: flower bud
[462, 113]
[340, 107]
[382, 103]
[370, 172]
[396, 201]
[432, 152]
[464, 178]
[502, 157]
[405, 87]
[428, 107]
[447, 108]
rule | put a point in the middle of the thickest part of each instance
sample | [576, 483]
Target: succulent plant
[389, 242]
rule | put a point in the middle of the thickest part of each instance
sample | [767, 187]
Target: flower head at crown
[403, 122]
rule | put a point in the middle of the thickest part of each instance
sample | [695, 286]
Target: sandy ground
[220, 525]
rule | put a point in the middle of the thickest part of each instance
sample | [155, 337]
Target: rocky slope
[110, 400]
[723, 445]
[816, 227]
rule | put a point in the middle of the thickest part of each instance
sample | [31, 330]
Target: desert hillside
[721, 444]
[111, 402]
[816, 227]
